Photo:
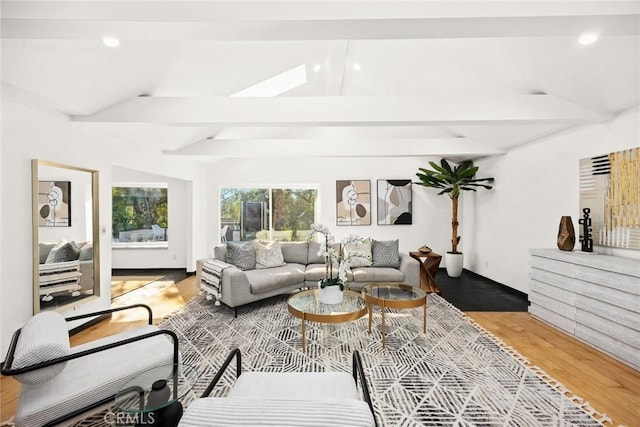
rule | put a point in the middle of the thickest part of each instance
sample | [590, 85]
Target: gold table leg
[424, 318]
[304, 333]
[383, 327]
[370, 306]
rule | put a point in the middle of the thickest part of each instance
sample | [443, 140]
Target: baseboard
[133, 271]
[492, 282]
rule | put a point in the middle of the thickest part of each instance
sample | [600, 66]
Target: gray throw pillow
[385, 253]
[62, 252]
[242, 255]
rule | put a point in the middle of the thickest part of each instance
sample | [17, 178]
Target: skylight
[276, 85]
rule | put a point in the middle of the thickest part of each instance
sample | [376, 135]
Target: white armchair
[285, 399]
[60, 382]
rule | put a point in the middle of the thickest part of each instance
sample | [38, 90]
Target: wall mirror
[66, 236]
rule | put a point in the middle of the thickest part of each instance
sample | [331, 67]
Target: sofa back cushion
[268, 254]
[385, 253]
[43, 251]
[314, 248]
[241, 255]
[296, 252]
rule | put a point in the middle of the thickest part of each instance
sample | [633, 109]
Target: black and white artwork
[394, 201]
[54, 203]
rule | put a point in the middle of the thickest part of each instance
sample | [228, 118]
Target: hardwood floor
[610, 387]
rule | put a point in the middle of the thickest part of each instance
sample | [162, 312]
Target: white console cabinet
[593, 297]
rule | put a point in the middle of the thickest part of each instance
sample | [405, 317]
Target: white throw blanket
[211, 279]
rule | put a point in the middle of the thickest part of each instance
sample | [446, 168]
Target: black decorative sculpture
[587, 241]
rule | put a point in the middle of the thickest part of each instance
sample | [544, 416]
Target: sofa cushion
[242, 255]
[317, 272]
[358, 252]
[43, 251]
[268, 254]
[297, 252]
[377, 274]
[314, 248]
[385, 253]
[63, 251]
[269, 279]
[86, 252]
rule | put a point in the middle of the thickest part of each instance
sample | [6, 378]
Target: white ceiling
[449, 78]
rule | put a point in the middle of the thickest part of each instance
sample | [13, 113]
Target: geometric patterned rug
[456, 374]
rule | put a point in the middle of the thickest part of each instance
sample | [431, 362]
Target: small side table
[429, 263]
[152, 398]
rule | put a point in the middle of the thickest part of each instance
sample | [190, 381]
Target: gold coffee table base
[306, 306]
[394, 295]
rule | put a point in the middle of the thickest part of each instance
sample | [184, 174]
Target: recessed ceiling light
[357, 66]
[317, 67]
[588, 38]
[111, 41]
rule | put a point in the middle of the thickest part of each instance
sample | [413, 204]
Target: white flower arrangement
[331, 256]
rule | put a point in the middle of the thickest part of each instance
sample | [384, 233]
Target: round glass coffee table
[153, 396]
[394, 295]
[306, 306]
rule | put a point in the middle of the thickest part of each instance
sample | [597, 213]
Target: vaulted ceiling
[462, 79]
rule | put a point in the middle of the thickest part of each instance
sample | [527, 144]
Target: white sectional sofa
[303, 267]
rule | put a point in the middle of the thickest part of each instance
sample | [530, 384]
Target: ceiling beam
[311, 20]
[285, 10]
[243, 148]
[346, 111]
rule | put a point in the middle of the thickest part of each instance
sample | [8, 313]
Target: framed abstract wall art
[54, 203]
[394, 201]
[353, 202]
[610, 199]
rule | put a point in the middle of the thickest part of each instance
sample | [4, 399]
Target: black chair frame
[358, 371]
[7, 370]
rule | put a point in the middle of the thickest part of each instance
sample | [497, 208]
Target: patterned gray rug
[454, 375]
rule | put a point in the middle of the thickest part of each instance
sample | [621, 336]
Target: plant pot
[453, 263]
[330, 294]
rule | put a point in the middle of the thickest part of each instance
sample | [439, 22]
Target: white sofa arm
[410, 268]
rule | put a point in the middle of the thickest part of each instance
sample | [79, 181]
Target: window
[267, 213]
[140, 215]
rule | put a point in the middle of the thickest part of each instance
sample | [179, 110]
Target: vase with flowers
[331, 288]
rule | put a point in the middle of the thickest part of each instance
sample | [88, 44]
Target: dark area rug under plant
[472, 292]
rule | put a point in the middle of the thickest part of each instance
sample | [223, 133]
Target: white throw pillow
[268, 254]
[359, 253]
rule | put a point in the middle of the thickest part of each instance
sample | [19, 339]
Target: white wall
[175, 256]
[535, 185]
[431, 213]
[32, 131]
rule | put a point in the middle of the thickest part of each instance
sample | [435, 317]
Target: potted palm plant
[452, 181]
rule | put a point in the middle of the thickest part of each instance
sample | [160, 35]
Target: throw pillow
[358, 252]
[385, 253]
[43, 251]
[242, 255]
[268, 254]
[63, 251]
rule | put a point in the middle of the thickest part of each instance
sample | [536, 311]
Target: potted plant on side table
[452, 181]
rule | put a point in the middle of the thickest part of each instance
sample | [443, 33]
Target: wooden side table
[429, 263]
